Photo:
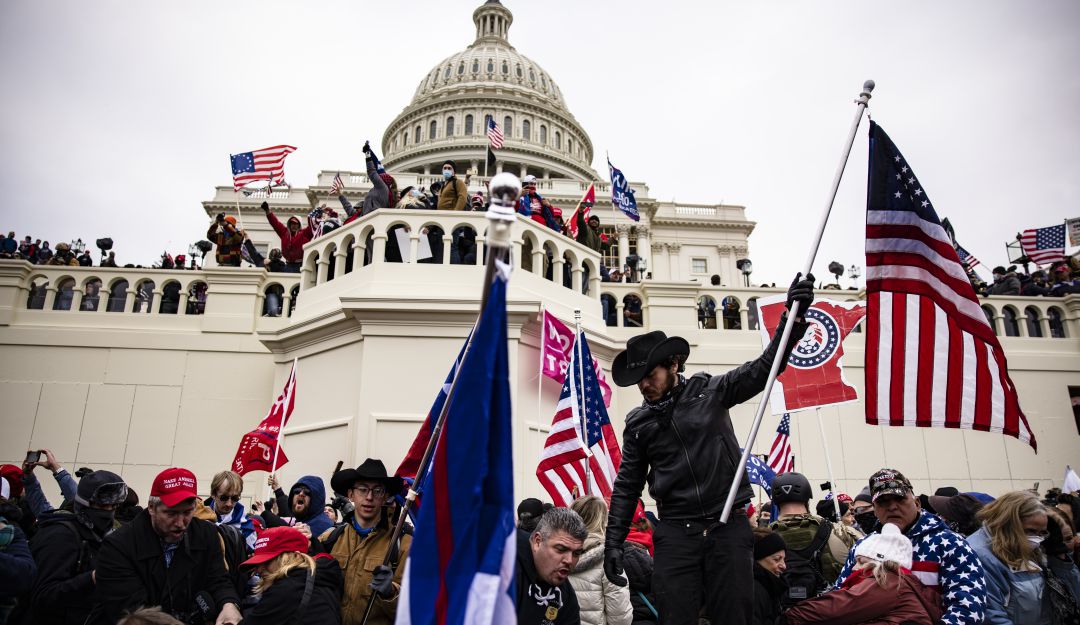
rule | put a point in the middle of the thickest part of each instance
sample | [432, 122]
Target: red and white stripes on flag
[562, 467]
[932, 359]
[495, 134]
[267, 164]
[781, 459]
[337, 185]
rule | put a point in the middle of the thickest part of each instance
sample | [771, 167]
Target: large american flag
[259, 165]
[781, 460]
[562, 462]
[966, 259]
[932, 359]
[495, 134]
[1044, 245]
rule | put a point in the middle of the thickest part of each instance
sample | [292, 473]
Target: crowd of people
[1061, 279]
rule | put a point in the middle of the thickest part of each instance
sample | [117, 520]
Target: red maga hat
[275, 541]
[174, 485]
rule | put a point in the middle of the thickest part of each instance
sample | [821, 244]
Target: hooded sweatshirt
[292, 245]
[314, 516]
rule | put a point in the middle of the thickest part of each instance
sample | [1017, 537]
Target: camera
[342, 504]
[33, 456]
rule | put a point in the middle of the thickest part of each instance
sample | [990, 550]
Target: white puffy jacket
[601, 602]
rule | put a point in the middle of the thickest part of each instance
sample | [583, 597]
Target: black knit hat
[767, 545]
[451, 164]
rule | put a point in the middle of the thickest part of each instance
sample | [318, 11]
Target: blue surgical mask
[447, 173]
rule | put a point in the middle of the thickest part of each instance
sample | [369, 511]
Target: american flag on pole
[337, 185]
[932, 359]
[562, 462]
[781, 460]
[495, 134]
[966, 259]
[259, 165]
[1044, 245]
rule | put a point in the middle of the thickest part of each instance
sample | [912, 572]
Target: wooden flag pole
[740, 471]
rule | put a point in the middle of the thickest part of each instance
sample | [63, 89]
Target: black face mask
[866, 521]
[11, 511]
[100, 520]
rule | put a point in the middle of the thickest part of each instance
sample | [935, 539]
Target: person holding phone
[35, 495]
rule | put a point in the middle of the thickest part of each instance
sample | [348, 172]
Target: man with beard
[307, 499]
[682, 442]
[360, 543]
[165, 557]
[545, 559]
[66, 547]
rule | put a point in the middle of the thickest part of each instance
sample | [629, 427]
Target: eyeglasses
[228, 497]
[364, 491]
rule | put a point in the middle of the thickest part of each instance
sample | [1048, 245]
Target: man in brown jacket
[360, 544]
[454, 195]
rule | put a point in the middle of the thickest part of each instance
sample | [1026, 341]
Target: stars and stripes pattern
[781, 459]
[944, 561]
[932, 359]
[1044, 245]
[495, 134]
[562, 467]
[337, 185]
[966, 259]
[260, 165]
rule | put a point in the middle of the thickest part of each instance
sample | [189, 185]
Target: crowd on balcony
[1061, 279]
[200, 550]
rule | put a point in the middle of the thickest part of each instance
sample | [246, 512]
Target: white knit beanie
[890, 544]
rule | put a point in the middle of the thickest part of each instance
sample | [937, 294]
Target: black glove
[382, 581]
[367, 147]
[613, 557]
[220, 217]
[801, 291]
[265, 206]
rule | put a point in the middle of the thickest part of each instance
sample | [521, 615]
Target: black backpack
[803, 575]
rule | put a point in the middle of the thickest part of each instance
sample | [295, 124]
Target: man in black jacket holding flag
[682, 442]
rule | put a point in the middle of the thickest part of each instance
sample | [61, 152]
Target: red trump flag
[814, 376]
[258, 448]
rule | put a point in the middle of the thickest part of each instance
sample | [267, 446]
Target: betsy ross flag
[562, 462]
[966, 259]
[257, 447]
[1044, 245]
[337, 185]
[781, 460]
[585, 208]
[932, 359]
[494, 134]
[260, 165]
[461, 564]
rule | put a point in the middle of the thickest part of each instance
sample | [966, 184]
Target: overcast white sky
[118, 117]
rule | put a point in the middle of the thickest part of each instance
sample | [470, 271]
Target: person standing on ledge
[681, 441]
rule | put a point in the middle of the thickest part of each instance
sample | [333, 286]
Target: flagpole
[540, 374]
[281, 431]
[740, 471]
[828, 464]
[501, 216]
[584, 432]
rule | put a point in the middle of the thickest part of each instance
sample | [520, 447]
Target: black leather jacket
[689, 452]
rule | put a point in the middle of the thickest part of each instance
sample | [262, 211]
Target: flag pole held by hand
[861, 103]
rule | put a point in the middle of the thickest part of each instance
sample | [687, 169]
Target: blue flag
[461, 564]
[760, 473]
[622, 196]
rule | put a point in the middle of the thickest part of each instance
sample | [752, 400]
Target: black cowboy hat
[644, 352]
[372, 470]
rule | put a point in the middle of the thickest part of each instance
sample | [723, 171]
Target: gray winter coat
[600, 601]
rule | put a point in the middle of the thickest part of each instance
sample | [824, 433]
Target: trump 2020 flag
[461, 565]
[760, 473]
[814, 376]
[556, 350]
[622, 196]
[258, 448]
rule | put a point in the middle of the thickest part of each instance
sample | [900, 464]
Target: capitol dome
[447, 118]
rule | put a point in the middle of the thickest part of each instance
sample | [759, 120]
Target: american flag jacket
[942, 559]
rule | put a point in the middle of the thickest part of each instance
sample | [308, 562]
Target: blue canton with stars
[901, 190]
[242, 163]
[1050, 238]
[596, 416]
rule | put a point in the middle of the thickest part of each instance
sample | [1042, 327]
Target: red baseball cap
[275, 541]
[13, 474]
[174, 486]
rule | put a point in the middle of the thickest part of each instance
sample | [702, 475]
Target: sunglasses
[298, 491]
[233, 498]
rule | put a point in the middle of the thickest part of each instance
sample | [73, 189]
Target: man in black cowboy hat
[681, 441]
[362, 541]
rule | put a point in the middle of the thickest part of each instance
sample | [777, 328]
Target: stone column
[518, 260]
[539, 257]
[644, 248]
[305, 277]
[623, 232]
[358, 254]
[619, 306]
[155, 302]
[340, 256]
[575, 278]
[726, 269]
[675, 260]
[557, 263]
[594, 285]
[129, 299]
[1070, 321]
[50, 296]
[76, 298]
[324, 270]
[447, 242]
[523, 171]
[1044, 323]
[378, 252]
[999, 323]
[661, 250]
[181, 309]
[286, 300]
[414, 247]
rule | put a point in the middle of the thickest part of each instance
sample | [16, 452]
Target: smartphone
[33, 456]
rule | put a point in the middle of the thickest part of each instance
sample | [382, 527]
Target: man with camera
[228, 239]
[165, 557]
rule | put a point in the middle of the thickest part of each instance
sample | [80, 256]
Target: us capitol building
[99, 369]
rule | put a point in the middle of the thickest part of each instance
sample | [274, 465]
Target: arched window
[1031, 315]
[65, 294]
[450, 126]
[405, 137]
[558, 140]
[989, 312]
[532, 75]
[1057, 325]
[706, 312]
[476, 66]
[543, 81]
[526, 130]
[508, 126]
[543, 134]
[491, 66]
[468, 124]
[432, 128]
[446, 74]
[416, 135]
[505, 68]
[520, 73]
[609, 308]
[461, 68]
[1012, 328]
[569, 145]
